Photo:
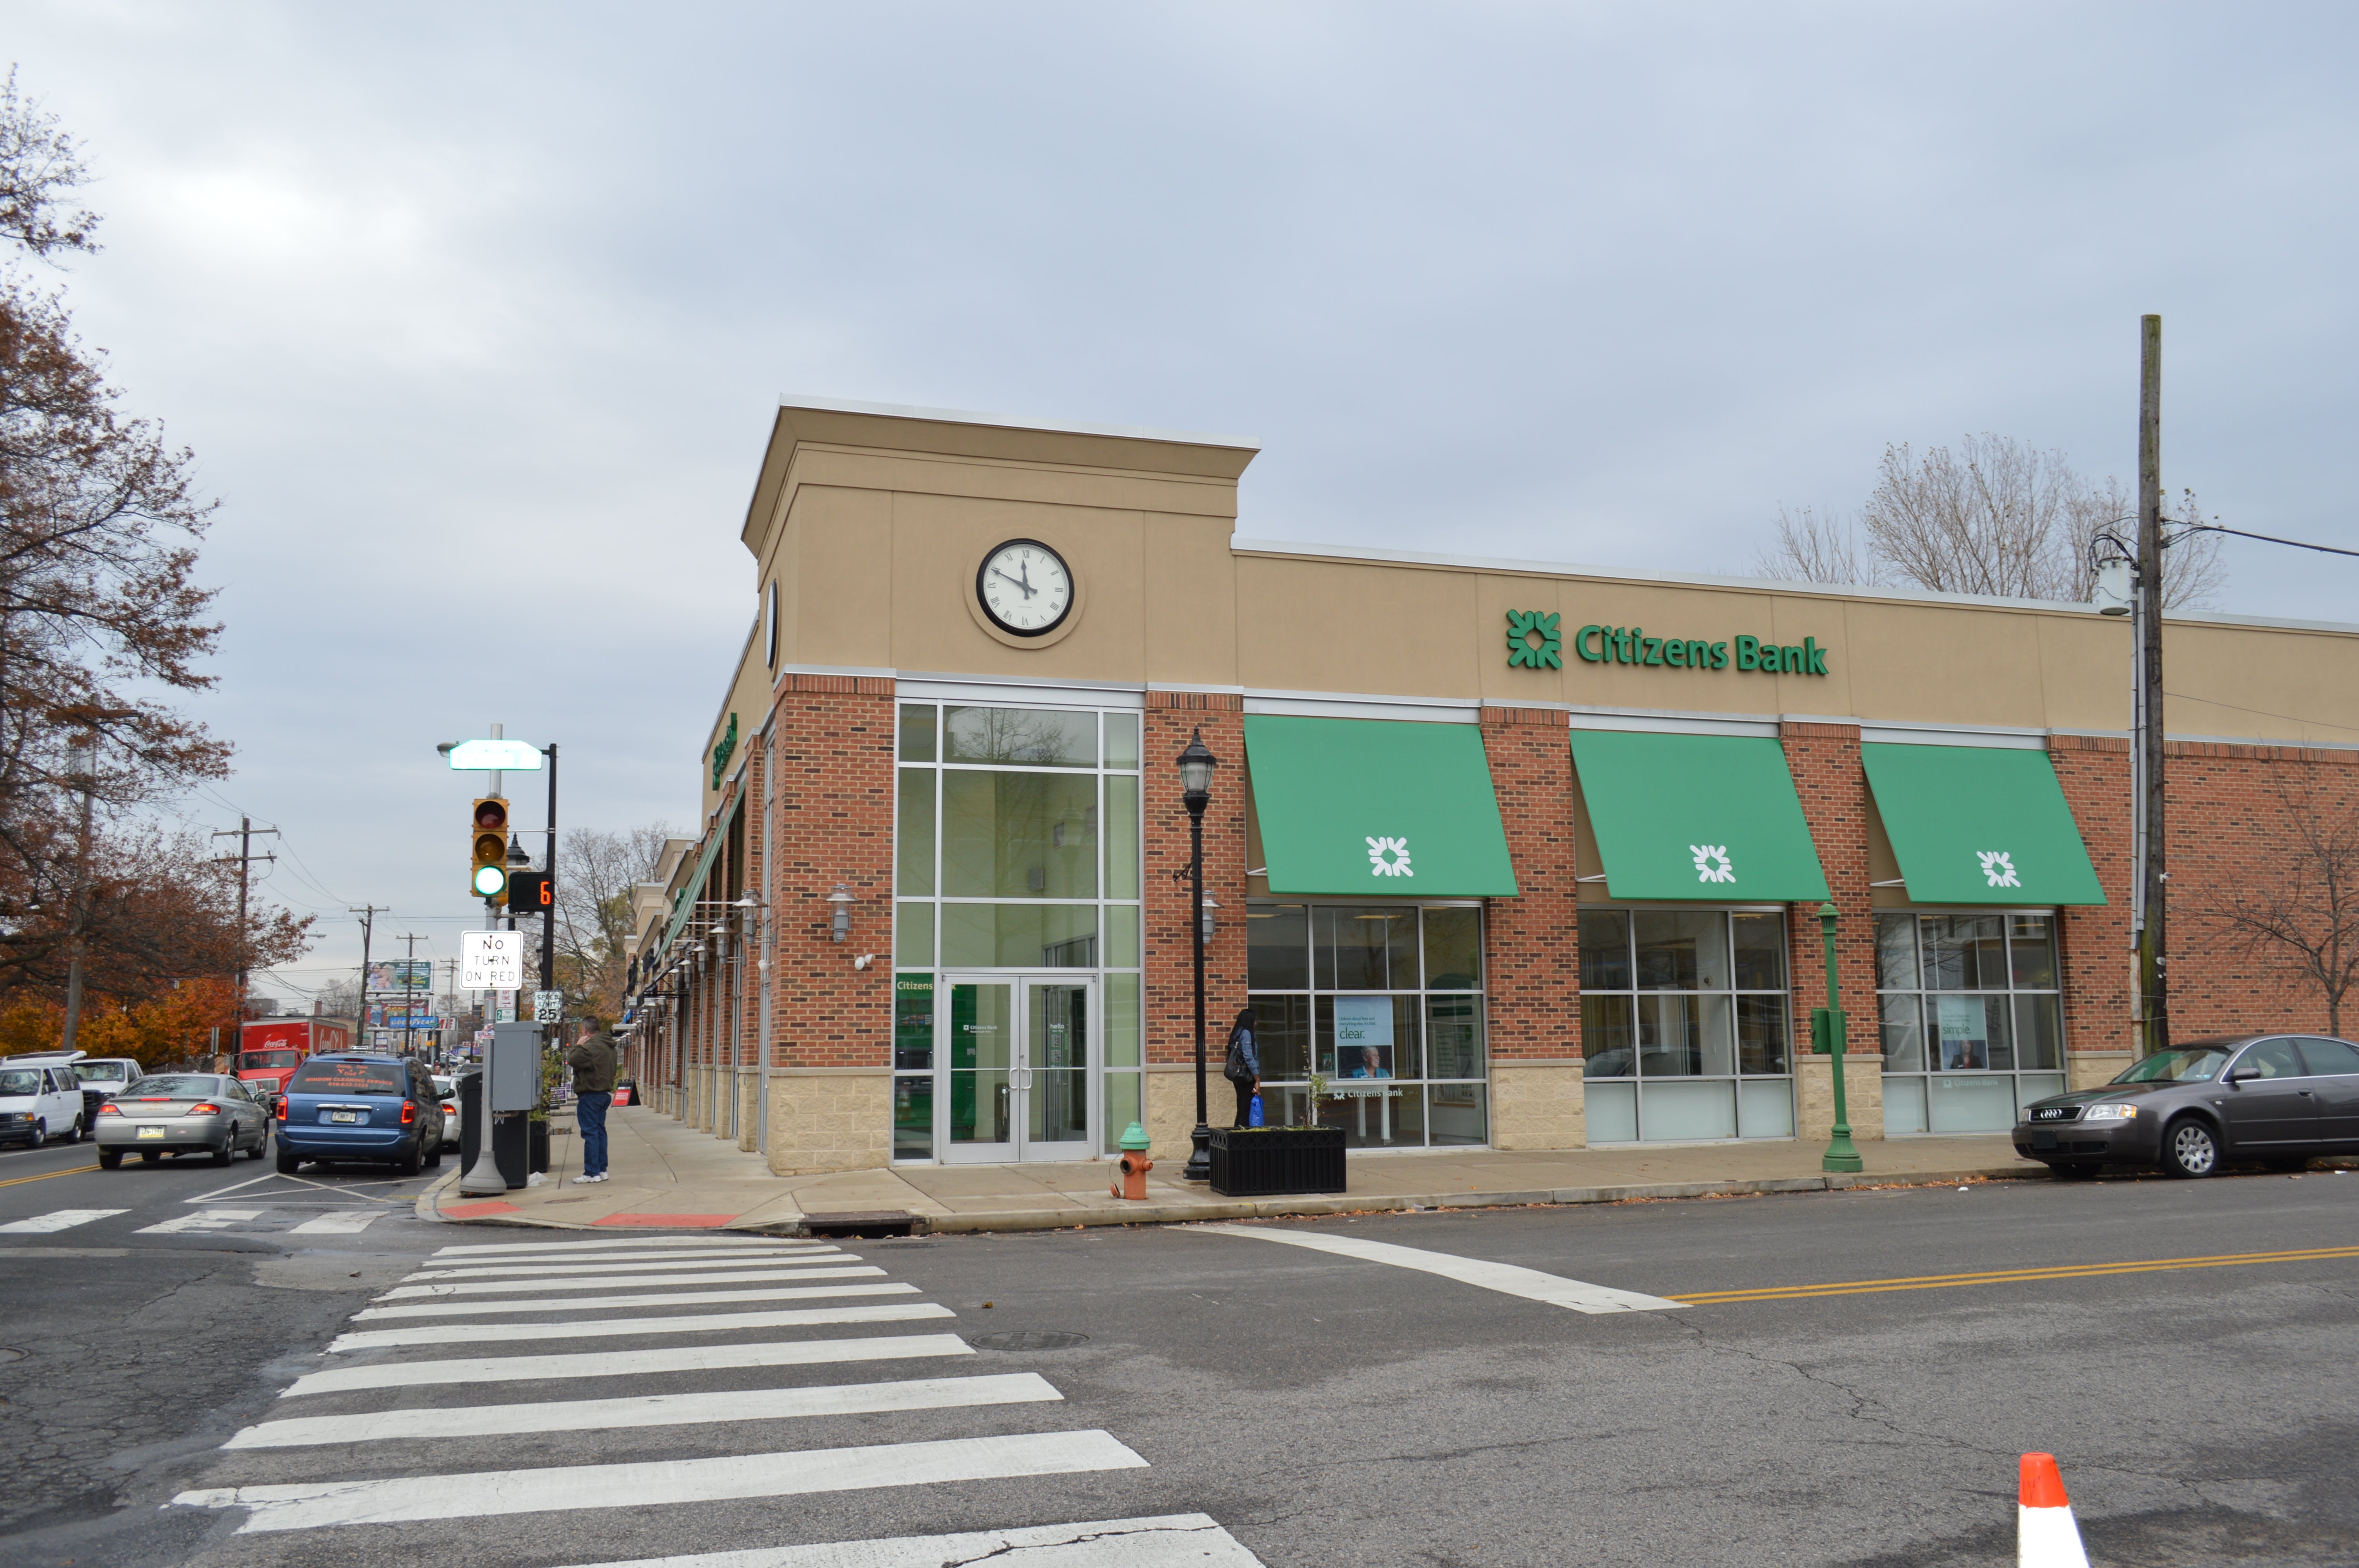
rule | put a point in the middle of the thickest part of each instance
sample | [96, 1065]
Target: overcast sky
[475, 315]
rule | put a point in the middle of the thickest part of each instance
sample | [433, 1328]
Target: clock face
[1025, 587]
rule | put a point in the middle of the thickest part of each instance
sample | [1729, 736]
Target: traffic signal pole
[549, 916]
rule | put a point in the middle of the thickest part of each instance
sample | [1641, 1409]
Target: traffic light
[490, 876]
[531, 892]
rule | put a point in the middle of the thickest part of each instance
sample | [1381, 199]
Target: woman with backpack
[1243, 1065]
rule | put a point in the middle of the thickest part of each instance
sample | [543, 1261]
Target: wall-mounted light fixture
[839, 924]
[1210, 903]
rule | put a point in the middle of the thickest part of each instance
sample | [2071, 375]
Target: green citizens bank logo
[1631, 646]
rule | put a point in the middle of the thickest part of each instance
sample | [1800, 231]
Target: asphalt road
[1833, 1393]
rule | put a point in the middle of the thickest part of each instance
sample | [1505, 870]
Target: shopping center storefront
[1499, 853]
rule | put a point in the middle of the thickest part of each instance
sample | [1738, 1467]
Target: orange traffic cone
[2045, 1535]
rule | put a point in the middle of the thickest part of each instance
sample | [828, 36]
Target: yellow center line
[69, 1170]
[2008, 1276]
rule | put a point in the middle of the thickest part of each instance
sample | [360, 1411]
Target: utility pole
[408, 1008]
[368, 913]
[246, 833]
[82, 758]
[2147, 912]
[549, 916]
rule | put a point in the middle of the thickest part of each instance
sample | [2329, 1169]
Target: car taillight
[203, 1108]
[409, 1111]
[110, 1108]
[282, 1108]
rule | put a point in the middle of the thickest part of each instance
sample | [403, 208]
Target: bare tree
[2300, 914]
[596, 870]
[1995, 517]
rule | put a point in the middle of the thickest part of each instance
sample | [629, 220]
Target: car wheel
[2073, 1172]
[149, 1156]
[110, 1159]
[433, 1161]
[2189, 1148]
[40, 1135]
[261, 1146]
[287, 1161]
[73, 1133]
[226, 1153]
[409, 1163]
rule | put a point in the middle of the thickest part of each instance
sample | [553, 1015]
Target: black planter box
[1265, 1161]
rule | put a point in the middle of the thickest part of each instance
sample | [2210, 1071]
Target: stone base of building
[1171, 1111]
[749, 1110]
[1814, 1098]
[829, 1118]
[2088, 1069]
[1538, 1105]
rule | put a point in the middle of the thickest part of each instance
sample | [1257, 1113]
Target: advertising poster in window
[1965, 1033]
[1364, 1037]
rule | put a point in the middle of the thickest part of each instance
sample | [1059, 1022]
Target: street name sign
[491, 960]
[493, 756]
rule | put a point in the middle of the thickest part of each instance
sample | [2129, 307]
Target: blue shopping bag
[1253, 1111]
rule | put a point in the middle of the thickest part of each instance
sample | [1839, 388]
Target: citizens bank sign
[1534, 642]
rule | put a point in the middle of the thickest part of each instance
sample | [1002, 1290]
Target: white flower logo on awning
[1999, 868]
[1389, 858]
[1712, 863]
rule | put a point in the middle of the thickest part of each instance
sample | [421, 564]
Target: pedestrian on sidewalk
[593, 1059]
[1243, 1065]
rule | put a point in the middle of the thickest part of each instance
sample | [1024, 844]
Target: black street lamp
[1196, 765]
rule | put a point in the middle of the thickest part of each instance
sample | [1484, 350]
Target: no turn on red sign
[491, 960]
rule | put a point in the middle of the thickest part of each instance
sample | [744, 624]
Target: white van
[106, 1075]
[39, 1101]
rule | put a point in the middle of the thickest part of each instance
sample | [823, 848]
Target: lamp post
[1827, 1035]
[1196, 765]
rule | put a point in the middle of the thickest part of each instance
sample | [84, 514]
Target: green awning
[684, 902]
[1366, 806]
[1980, 824]
[1696, 817]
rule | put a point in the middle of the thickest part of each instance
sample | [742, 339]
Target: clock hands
[1027, 587]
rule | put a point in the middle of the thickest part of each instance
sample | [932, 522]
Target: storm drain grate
[873, 1222]
[1028, 1339]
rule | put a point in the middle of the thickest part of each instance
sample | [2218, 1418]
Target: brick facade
[1833, 789]
[1532, 961]
[1169, 984]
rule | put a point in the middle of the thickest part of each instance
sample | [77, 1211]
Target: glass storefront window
[1684, 1030]
[1385, 1002]
[1972, 1019]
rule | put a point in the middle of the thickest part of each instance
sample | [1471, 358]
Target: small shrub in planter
[1270, 1161]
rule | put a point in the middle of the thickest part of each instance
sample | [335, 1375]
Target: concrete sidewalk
[664, 1175]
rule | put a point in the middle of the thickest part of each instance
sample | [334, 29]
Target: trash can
[470, 1118]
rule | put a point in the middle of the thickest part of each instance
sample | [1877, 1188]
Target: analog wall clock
[1024, 588]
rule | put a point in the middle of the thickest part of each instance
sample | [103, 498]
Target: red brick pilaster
[1169, 979]
[1832, 786]
[1532, 960]
[2094, 942]
[834, 743]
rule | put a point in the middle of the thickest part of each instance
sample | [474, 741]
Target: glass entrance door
[1017, 1061]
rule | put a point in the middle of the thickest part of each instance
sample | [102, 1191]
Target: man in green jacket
[592, 1057]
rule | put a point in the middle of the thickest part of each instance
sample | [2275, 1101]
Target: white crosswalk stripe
[624, 1281]
[630, 1327]
[643, 1361]
[650, 1409]
[472, 1495]
[644, 1262]
[203, 1220]
[59, 1219]
[349, 1223]
[603, 1291]
[1170, 1541]
[667, 1298]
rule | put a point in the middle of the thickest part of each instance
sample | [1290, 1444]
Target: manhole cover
[9, 1355]
[1028, 1339]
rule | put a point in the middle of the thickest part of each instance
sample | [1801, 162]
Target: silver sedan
[183, 1113]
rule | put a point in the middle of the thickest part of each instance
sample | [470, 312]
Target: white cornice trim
[1010, 422]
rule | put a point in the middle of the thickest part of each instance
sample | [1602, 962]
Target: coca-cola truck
[271, 1049]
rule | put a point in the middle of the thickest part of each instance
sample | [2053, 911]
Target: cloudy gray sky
[473, 308]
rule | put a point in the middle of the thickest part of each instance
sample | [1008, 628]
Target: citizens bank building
[1510, 854]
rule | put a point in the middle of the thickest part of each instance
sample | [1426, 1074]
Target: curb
[984, 1221]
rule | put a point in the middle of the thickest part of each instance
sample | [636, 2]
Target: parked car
[453, 1122]
[369, 1106]
[103, 1078]
[2279, 1099]
[183, 1113]
[40, 1099]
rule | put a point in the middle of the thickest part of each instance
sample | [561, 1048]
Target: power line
[2187, 528]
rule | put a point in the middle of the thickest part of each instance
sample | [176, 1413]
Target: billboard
[402, 975]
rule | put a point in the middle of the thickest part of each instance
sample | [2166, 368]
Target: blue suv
[361, 1106]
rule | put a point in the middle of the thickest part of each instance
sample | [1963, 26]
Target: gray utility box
[516, 1067]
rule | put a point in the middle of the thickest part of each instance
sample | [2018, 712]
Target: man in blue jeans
[592, 1059]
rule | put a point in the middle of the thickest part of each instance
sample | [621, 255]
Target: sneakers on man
[584, 1181]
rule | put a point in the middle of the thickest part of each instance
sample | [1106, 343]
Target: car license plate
[151, 1133]
[343, 1116]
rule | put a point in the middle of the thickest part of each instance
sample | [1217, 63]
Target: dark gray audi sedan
[2279, 1099]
